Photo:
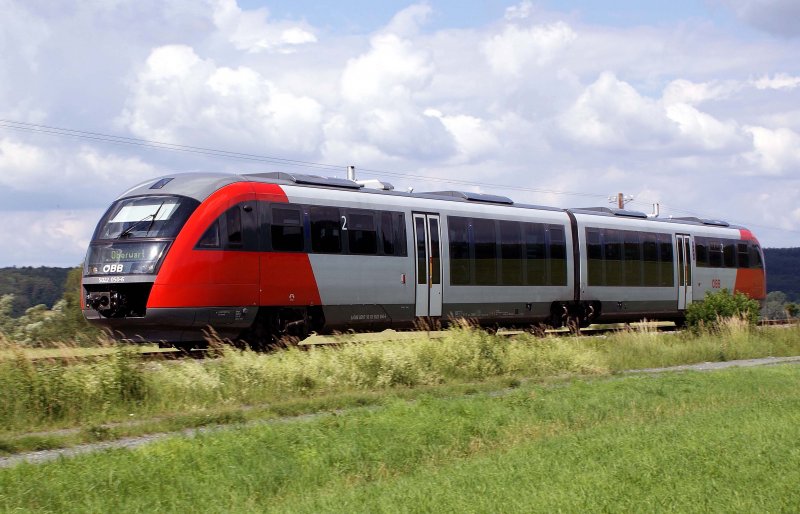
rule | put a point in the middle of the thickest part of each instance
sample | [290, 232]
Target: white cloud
[774, 151]
[778, 81]
[610, 113]
[473, 138]
[22, 165]
[252, 31]
[392, 70]
[703, 129]
[179, 97]
[686, 92]
[510, 52]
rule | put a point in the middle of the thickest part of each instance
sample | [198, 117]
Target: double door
[683, 245]
[428, 251]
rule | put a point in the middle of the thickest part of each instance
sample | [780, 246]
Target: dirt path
[134, 442]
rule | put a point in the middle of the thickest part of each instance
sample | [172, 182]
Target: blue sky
[692, 104]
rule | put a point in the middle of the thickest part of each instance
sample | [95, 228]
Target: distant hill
[783, 271]
[32, 286]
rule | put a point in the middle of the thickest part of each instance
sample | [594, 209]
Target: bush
[719, 306]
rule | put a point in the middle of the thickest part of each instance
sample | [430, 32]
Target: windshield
[145, 217]
[124, 257]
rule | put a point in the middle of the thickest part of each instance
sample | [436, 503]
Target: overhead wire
[148, 143]
[227, 154]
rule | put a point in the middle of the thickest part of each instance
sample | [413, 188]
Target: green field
[690, 442]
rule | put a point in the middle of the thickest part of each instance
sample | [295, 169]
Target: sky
[694, 105]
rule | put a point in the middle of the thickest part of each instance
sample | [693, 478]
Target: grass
[721, 442]
[42, 395]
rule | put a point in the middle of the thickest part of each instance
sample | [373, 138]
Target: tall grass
[48, 393]
[681, 443]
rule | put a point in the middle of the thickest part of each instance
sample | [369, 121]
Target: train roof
[201, 185]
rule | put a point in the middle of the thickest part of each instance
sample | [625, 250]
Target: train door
[684, 258]
[429, 264]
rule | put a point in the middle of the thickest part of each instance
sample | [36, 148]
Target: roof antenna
[656, 211]
[351, 173]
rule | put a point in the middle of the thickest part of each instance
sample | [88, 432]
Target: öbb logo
[112, 268]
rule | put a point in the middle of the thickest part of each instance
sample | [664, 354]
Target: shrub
[719, 306]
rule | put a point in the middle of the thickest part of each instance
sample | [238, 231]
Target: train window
[755, 256]
[666, 261]
[535, 254]
[393, 233]
[387, 233]
[729, 253]
[325, 223]
[485, 251]
[210, 238]
[650, 265]
[287, 229]
[422, 268]
[612, 248]
[594, 256]
[460, 262]
[362, 236]
[147, 216]
[558, 256]
[436, 266]
[400, 234]
[742, 255]
[633, 258]
[701, 251]
[233, 222]
[714, 253]
[511, 253]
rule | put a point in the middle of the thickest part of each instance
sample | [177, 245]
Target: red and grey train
[263, 255]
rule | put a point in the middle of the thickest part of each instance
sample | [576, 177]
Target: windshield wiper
[127, 231]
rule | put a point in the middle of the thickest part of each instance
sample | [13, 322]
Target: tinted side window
[393, 233]
[401, 248]
[511, 252]
[742, 254]
[325, 223]
[594, 250]
[210, 238]
[665, 253]
[612, 247]
[233, 221]
[558, 256]
[485, 251]
[460, 262]
[387, 233]
[535, 254]
[650, 264]
[701, 251]
[715, 253]
[363, 237]
[729, 253]
[633, 258]
[755, 256]
[287, 229]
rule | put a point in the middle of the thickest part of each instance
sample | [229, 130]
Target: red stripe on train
[214, 278]
[752, 281]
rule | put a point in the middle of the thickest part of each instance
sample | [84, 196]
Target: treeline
[32, 286]
[43, 325]
[783, 271]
